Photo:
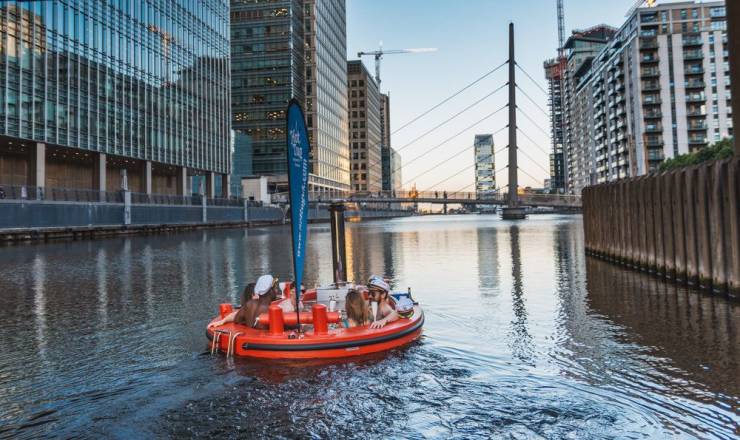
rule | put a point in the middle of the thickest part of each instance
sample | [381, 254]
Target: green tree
[720, 150]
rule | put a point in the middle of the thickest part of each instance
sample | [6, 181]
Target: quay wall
[38, 220]
[683, 225]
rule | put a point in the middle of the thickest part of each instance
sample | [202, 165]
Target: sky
[471, 37]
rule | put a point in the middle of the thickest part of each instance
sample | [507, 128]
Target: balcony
[697, 140]
[694, 70]
[650, 86]
[654, 141]
[649, 58]
[649, 17]
[695, 97]
[694, 84]
[651, 99]
[700, 113]
[656, 155]
[657, 114]
[697, 125]
[647, 73]
[653, 128]
[693, 40]
[692, 55]
[648, 43]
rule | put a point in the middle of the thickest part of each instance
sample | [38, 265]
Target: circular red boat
[324, 337]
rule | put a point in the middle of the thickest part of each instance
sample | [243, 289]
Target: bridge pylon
[513, 210]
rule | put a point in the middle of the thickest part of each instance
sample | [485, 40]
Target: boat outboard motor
[338, 250]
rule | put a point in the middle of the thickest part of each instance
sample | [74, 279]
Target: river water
[525, 337]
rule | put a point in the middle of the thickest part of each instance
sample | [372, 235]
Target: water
[525, 337]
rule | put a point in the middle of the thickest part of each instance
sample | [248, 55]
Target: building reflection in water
[101, 274]
[688, 333]
[39, 303]
[520, 340]
[488, 261]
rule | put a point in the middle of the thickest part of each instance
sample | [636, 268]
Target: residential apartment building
[485, 178]
[578, 101]
[659, 87]
[365, 129]
[92, 91]
[283, 49]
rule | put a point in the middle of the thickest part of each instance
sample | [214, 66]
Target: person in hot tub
[379, 292]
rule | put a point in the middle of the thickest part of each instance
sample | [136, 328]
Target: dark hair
[356, 308]
[252, 308]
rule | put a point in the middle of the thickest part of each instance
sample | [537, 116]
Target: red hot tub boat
[323, 338]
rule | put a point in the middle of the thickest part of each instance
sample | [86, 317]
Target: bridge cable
[539, 107]
[443, 161]
[450, 138]
[490, 72]
[530, 176]
[523, 113]
[450, 177]
[452, 117]
[533, 142]
[531, 79]
[534, 162]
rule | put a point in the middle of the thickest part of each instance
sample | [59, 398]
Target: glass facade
[326, 92]
[144, 79]
[485, 180]
[267, 70]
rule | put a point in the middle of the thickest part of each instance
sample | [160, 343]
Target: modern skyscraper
[485, 180]
[365, 129]
[285, 49]
[386, 151]
[326, 93]
[88, 89]
[657, 88]
[396, 175]
[267, 70]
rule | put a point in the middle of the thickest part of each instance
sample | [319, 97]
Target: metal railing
[82, 195]
[433, 197]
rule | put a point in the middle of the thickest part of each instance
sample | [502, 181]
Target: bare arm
[390, 317]
[228, 318]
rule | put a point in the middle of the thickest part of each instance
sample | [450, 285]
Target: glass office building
[325, 25]
[283, 49]
[267, 70]
[90, 88]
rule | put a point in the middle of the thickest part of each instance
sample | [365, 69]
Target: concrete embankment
[34, 220]
[683, 225]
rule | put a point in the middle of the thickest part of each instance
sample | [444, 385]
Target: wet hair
[356, 307]
[251, 307]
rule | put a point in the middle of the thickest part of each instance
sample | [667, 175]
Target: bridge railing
[34, 193]
[442, 196]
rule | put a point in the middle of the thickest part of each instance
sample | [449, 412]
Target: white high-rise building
[659, 87]
[485, 179]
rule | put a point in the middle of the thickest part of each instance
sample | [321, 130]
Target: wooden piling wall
[682, 225]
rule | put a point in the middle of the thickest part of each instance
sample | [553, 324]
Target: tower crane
[561, 29]
[378, 54]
